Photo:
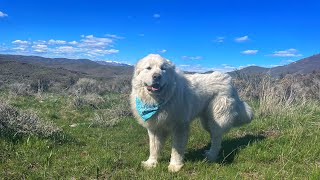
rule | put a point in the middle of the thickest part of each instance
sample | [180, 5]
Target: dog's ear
[170, 64]
[136, 71]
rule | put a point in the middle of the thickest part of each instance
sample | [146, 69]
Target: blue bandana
[146, 110]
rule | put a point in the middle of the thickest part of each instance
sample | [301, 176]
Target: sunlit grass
[281, 146]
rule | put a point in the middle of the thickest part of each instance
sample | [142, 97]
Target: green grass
[282, 146]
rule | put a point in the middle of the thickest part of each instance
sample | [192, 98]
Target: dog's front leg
[156, 140]
[180, 138]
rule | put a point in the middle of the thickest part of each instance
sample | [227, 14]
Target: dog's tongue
[153, 88]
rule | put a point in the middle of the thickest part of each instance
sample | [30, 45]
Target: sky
[197, 35]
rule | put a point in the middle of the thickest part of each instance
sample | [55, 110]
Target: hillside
[80, 65]
[303, 66]
[13, 71]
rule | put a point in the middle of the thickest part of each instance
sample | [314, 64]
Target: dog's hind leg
[218, 119]
[156, 141]
[215, 132]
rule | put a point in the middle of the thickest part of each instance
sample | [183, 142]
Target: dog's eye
[163, 68]
[148, 68]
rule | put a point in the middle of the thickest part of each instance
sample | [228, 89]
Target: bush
[93, 100]
[120, 84]
[16, 121]
[86, 86]
[20, 89]
[119, 108]
[40, 85]
[282, 95]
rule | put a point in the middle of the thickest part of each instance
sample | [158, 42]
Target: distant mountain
[79, 65]
[14, 71]
[303, 66]
[113, 63]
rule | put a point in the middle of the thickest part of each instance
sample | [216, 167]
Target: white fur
[211, 97]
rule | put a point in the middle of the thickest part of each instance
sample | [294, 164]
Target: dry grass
[283, 95]
[14, 121]
[118, 108]
[20, 89]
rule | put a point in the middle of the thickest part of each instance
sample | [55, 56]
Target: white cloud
[20, 48]
[2, 14]
[284, 62]
[249, 51]
[286, 53]
[242, 39]
[162, 51]
[184, 65]
[52, 41]
[114, 36]
[20, 45]
[141, 34]
[20, 42]
[91, 41]
[219, 39]
[202, 68]
[39, 42]
[101, 52]
[86, 46]
[156, 15]
[40, 48]
[65, 49]
[191, 57]
[73, 42]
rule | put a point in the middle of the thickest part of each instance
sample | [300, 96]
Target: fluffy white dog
[165, 101]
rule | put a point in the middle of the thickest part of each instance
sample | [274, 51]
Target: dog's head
[154, 74]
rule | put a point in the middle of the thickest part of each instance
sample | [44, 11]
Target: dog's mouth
[156, 87]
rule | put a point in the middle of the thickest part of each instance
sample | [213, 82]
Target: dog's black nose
[156, 76]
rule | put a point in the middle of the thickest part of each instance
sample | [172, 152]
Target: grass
[276, 146]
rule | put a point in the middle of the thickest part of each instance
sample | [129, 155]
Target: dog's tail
[245, 113]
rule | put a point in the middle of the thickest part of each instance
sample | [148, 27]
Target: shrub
[86, 86]
[119, 84]
[112, 115]
[20, 89]
[16, 121]
[93, 100]
[40, 85]
[281, 95]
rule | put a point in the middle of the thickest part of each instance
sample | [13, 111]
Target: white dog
[165, 101]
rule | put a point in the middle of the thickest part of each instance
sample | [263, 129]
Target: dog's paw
[149, 164]
[212, 157]
[174, 167]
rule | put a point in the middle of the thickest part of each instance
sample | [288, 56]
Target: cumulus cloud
[52, 41]
[114, 36]
[20, 42]
[73, 42]
[191, 57]
[65, 50]
[249, 51]
[242, 39]
[87, 46]
[219, 39]
[2, 14]
[156, 15]
[162, 51]
[91, 41]
[202, 68]
[286, 53]
[100, 52]
[40, 48]
[20, 45]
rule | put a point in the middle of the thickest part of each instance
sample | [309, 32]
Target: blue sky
[195, 35]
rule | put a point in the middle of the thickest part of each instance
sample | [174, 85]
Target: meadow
[89, 133]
